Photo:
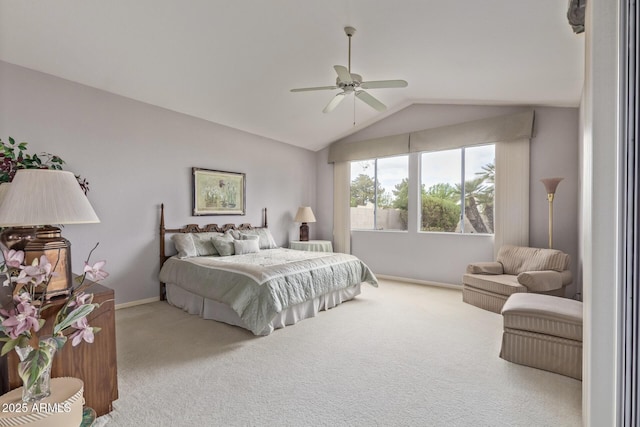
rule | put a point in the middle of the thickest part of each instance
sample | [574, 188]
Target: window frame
[375, 190]
[463, 191]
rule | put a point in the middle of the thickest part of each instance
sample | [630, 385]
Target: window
[379, 193]
[450, 177]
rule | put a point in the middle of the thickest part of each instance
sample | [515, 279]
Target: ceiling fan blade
[380, 84]
[343, 74]
[306, 89]
[334, 102]
[368, 99]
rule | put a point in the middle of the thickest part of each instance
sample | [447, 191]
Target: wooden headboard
[195, 228]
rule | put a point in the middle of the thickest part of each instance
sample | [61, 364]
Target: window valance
[510, 127]
[369, 149]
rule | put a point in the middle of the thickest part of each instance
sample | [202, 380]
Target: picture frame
[218, 192]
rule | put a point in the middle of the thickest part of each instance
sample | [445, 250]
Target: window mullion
[462, 190]
[375, 194]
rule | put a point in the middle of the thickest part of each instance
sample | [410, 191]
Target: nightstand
[312, 245]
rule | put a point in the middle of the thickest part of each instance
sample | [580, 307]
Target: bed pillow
[245, 236]
[246, 246]
[203, 243]
[224, 244]
[264, 235]
[184, 245]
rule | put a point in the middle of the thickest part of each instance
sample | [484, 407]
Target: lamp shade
[305, 214]
[42, 197]
[551, 184]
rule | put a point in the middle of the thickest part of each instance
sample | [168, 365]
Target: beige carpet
[398, 355]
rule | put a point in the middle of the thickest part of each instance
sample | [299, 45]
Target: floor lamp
[550, 184]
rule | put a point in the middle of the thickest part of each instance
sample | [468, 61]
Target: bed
[258, 286]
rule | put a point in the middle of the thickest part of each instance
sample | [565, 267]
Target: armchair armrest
[541, 281]
[566, 277]
[489, 267]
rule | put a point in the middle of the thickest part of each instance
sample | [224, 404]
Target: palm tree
[486, 196]
[473, 189]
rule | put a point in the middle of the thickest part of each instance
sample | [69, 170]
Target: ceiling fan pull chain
[354, 110]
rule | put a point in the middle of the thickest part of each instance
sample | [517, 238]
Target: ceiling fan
[350, 82]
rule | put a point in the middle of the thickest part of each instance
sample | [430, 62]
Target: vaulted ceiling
[234, 62]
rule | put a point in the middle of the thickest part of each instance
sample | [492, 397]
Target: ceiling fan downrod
[350, 31]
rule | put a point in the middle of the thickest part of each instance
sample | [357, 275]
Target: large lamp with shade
[31, 207]
[304, 215]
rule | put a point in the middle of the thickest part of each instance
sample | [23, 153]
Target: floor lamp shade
[34, 201]
[304, 215]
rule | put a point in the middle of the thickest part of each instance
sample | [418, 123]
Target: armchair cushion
[490, 267]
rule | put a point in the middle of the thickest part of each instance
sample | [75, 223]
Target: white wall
[136, 156]
[600, 211]
[444, 257]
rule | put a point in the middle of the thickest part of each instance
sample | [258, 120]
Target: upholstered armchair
[517, 269]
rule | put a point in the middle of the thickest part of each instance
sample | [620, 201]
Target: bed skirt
[213, 310]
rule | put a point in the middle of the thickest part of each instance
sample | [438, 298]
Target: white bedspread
[258, 286]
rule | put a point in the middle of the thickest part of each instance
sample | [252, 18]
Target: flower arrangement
[20, 322]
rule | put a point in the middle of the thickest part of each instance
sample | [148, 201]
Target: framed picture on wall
[218, 192]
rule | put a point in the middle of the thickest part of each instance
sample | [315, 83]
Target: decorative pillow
[184, 245]
[204, 244]
[224, 244]
[246, 246]
[244, 236]
[264, 235]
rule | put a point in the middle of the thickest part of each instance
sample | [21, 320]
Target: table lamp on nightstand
[304, 215]
[36, 201]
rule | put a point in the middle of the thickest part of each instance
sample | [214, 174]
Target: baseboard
[138, 302]
[381, 276]
[421, 282]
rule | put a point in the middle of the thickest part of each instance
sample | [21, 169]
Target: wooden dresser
[95, 363]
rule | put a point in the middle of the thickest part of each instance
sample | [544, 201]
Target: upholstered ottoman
[543, 332]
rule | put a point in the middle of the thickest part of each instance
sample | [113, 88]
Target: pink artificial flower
[36, 272]
[81, 298]
[95, 272]
[13, 258]
[83, 332]
[22, 318]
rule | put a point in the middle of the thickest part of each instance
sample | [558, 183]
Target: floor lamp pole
[550, 198]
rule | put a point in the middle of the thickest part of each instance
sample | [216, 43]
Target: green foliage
[363, 191]
[439, 214]
[444, 191]
[14, 156]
